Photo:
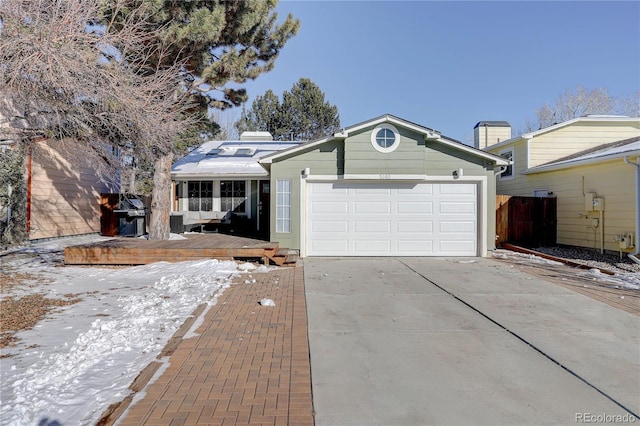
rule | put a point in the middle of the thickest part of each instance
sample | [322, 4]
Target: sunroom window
[233, 195]
[200, 196]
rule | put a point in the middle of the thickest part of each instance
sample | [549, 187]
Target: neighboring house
[384, 187]
[584, 163]
[63, 189]
[222, 181]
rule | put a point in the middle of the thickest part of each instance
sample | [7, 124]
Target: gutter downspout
[633, 256]
[500, 170]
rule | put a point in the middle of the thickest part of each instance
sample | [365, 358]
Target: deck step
[285, 257]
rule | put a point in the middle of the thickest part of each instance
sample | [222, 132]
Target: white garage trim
[481, 200]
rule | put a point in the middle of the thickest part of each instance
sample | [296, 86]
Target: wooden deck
[135, 251]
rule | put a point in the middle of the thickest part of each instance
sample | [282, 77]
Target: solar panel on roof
[214, 151]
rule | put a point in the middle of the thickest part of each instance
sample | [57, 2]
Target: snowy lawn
[82, 358]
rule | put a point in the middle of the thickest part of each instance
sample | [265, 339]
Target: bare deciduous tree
[64, 76]
[582, 102]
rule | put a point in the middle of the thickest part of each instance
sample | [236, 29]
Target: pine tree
[303, 114]
[264, 115]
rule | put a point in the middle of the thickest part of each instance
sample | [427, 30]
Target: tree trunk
[161, 198]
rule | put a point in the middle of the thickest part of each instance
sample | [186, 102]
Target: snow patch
[630, 280]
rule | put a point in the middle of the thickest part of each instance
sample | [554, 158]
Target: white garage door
[392, 219]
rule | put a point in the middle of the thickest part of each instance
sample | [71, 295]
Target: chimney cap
[492, 124]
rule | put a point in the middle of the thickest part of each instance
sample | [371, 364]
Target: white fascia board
[499, 161]
[580, 162]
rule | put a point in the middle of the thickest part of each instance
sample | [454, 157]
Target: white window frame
[511, 158]
[283, 206]
[374, 138]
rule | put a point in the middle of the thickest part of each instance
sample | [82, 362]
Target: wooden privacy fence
[526, 221]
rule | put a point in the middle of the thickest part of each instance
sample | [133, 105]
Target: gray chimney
[256, 136]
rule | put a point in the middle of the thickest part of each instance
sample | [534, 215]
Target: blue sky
[448, 65]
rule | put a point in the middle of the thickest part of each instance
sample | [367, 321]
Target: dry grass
[24, 312]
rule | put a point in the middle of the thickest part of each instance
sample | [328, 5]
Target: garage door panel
[320, 188]
[372, 247]
[416, 226]
[371, 192]
[418, 247]
[411, 189]
[335, 246]
[392, 219]
[329, 207]
[457, 208]
[456, 248]
[365, 207]
[329, 226]
[408, 207]
[464, 228]
[368, 227]
[457, 189]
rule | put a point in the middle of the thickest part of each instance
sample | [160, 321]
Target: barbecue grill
[132, 214]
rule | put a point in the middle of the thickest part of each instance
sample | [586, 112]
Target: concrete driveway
[463, 341]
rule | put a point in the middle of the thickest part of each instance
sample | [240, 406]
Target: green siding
[362, 158]
[442, 160]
